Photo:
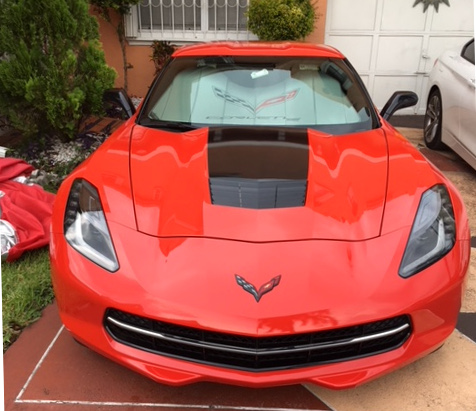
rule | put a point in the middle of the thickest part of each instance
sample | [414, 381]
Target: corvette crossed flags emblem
[250, 288]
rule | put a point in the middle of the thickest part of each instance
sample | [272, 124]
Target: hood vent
[258, 167]
[257, 194]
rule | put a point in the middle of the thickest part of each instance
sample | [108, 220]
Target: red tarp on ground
[27, 208]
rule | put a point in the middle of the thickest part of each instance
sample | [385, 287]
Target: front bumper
[367, 288]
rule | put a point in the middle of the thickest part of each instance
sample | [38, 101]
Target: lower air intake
[257, 353]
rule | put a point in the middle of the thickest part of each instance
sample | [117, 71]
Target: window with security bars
[189, 20]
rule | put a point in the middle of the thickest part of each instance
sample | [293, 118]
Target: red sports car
[259, 223]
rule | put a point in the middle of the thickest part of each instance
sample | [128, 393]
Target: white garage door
[393, 45]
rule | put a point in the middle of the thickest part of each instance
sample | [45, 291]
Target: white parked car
[450, 117]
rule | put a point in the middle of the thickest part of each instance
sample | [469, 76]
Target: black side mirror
[117, 104]
[399, 100]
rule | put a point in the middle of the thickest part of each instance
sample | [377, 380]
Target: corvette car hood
[254, 185]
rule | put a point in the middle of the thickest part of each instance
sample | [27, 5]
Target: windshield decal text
[233, 99]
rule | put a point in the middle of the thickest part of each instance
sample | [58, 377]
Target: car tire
[433, 120]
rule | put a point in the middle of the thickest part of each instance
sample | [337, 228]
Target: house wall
[141, 70]
[318, 35]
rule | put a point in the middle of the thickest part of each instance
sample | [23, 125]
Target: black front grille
[257, 353]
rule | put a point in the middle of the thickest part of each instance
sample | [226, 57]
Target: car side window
[468, 52]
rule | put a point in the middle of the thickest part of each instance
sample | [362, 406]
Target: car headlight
[433, 233]
[85, 226]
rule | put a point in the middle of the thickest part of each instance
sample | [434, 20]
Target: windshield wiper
[167, 125]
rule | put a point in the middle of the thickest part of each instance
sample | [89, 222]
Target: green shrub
[161, 53]
[120, 6]
[52, 67]
[274, 20]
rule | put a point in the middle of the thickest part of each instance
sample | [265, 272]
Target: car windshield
[319, 93]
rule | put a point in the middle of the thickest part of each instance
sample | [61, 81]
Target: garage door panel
[394, 43]
[458, 17]
[362, 17]
[395, 16]
[366, 81]
[399, 54]
[385, 86]
[357, 49]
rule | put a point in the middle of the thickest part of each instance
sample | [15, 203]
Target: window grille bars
[189, 20]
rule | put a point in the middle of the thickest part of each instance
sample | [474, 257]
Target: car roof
[238, 48]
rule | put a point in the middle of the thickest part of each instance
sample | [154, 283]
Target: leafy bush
[274, 20]
[52, 67]
[161, 53]
[120, 6]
